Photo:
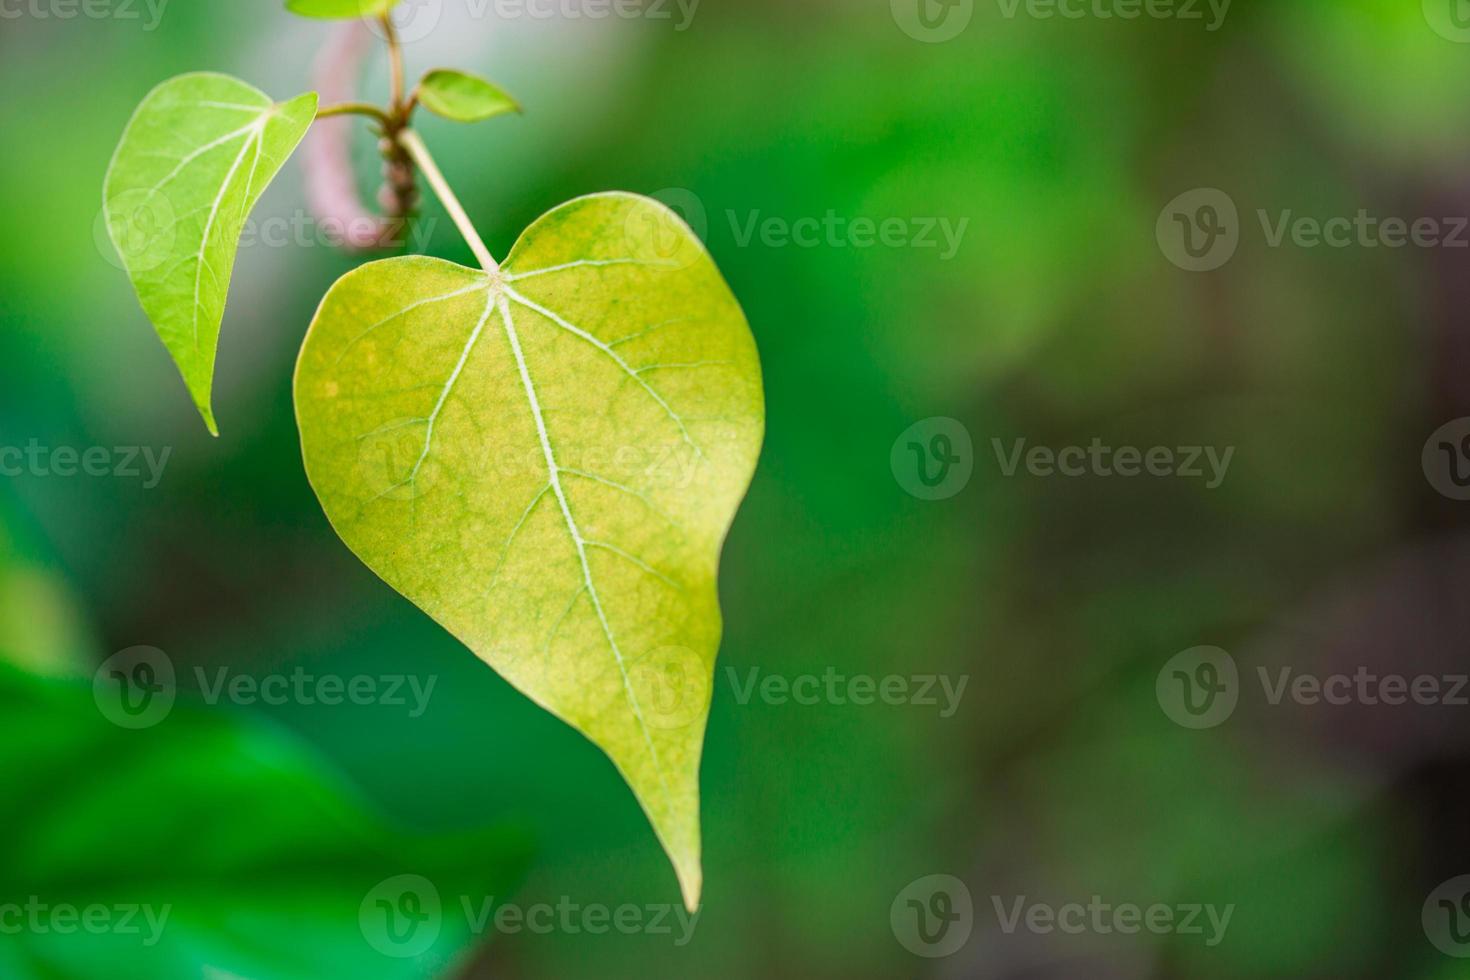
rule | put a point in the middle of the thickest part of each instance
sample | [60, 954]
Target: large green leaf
[240, 853]
[191, 164]
[340, 9]
[463, 97]
[546, 460]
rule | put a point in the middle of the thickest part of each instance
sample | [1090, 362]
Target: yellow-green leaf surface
[191, 164]
[546, 460]
[463, 97]
[340, 9]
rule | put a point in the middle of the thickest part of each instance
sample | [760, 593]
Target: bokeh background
[1059, 319]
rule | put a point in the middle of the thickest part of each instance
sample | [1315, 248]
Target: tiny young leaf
[194, 159]
[463, 97]
[546, 459]
[340, 9]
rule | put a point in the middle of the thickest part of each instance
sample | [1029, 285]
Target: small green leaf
[463, 97]
[340, 9]
[191, 164]
[546, 460]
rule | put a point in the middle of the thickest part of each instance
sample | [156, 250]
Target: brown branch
[332, 191]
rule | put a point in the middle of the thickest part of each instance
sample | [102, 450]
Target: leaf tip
[691, 884]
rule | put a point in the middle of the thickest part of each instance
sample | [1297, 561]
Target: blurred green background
[1058, 320]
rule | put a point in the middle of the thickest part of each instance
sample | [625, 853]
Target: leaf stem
[410, 141]
[395, 61]
[354, 109]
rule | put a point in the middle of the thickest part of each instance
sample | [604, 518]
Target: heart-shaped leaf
[191, 164]
[546, 459]
[463, 97]
[340, 9]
